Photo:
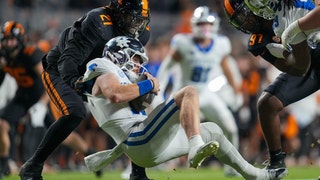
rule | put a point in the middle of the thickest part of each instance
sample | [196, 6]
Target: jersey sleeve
[178, 43]
[96, 67]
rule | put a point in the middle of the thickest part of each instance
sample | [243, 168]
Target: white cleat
[275, 174]
[271, 174]
[198, 154]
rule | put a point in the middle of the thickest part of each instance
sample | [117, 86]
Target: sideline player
[203, 56]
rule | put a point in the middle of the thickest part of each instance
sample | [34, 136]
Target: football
[142, 102]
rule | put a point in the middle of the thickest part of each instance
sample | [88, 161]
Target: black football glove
[79, 87]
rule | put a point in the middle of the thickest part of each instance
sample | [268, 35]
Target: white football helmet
[120, 50]
[203, 15]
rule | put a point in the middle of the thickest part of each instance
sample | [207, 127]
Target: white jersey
[287, 15]
[107, 114]
[199, 65]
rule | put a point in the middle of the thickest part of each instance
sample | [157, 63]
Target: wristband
[145, 86]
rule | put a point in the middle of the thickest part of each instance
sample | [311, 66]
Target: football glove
[79, 85]
[292, 35]
[276, 50]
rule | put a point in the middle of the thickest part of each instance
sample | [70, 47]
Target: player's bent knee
[191, 90]
[210, 131]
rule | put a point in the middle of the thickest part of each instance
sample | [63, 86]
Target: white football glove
[292, 35]
[37, 114]
[277, 50]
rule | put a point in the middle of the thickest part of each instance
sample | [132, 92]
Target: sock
[54, 136]
[5, 169]
[195, 140]
[275, 153]
[229, 155]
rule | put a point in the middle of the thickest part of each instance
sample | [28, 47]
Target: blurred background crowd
[45, 19]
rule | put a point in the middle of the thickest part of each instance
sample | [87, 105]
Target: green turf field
[301, 173]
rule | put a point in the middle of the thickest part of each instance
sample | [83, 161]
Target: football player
[172, 129]
[203, 56]
[285, 89]
[23, 62]
[65, 63]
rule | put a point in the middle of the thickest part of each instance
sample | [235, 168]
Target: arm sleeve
[80, 42]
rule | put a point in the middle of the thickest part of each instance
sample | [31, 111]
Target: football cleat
[5, 169]
[138, 177]
[277, 161]
[97, 173]
[277, 165]
[31, 171]
[275, 174]
[198, 154]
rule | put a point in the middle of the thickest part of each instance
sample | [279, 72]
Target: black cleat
[31, 171]
[98, 173]
[138, 177]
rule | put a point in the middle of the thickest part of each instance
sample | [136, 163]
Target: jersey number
[255, 39]
[105, 19]
[19, 75]
[200, 74]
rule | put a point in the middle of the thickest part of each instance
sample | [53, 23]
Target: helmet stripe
[228, 7]
[20, 27]
[145, 8]
[8, 27]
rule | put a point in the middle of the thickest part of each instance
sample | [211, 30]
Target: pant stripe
[54, 95]
[156, 129]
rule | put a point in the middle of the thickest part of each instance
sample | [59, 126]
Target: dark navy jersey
[22, 68]
[84, 41]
